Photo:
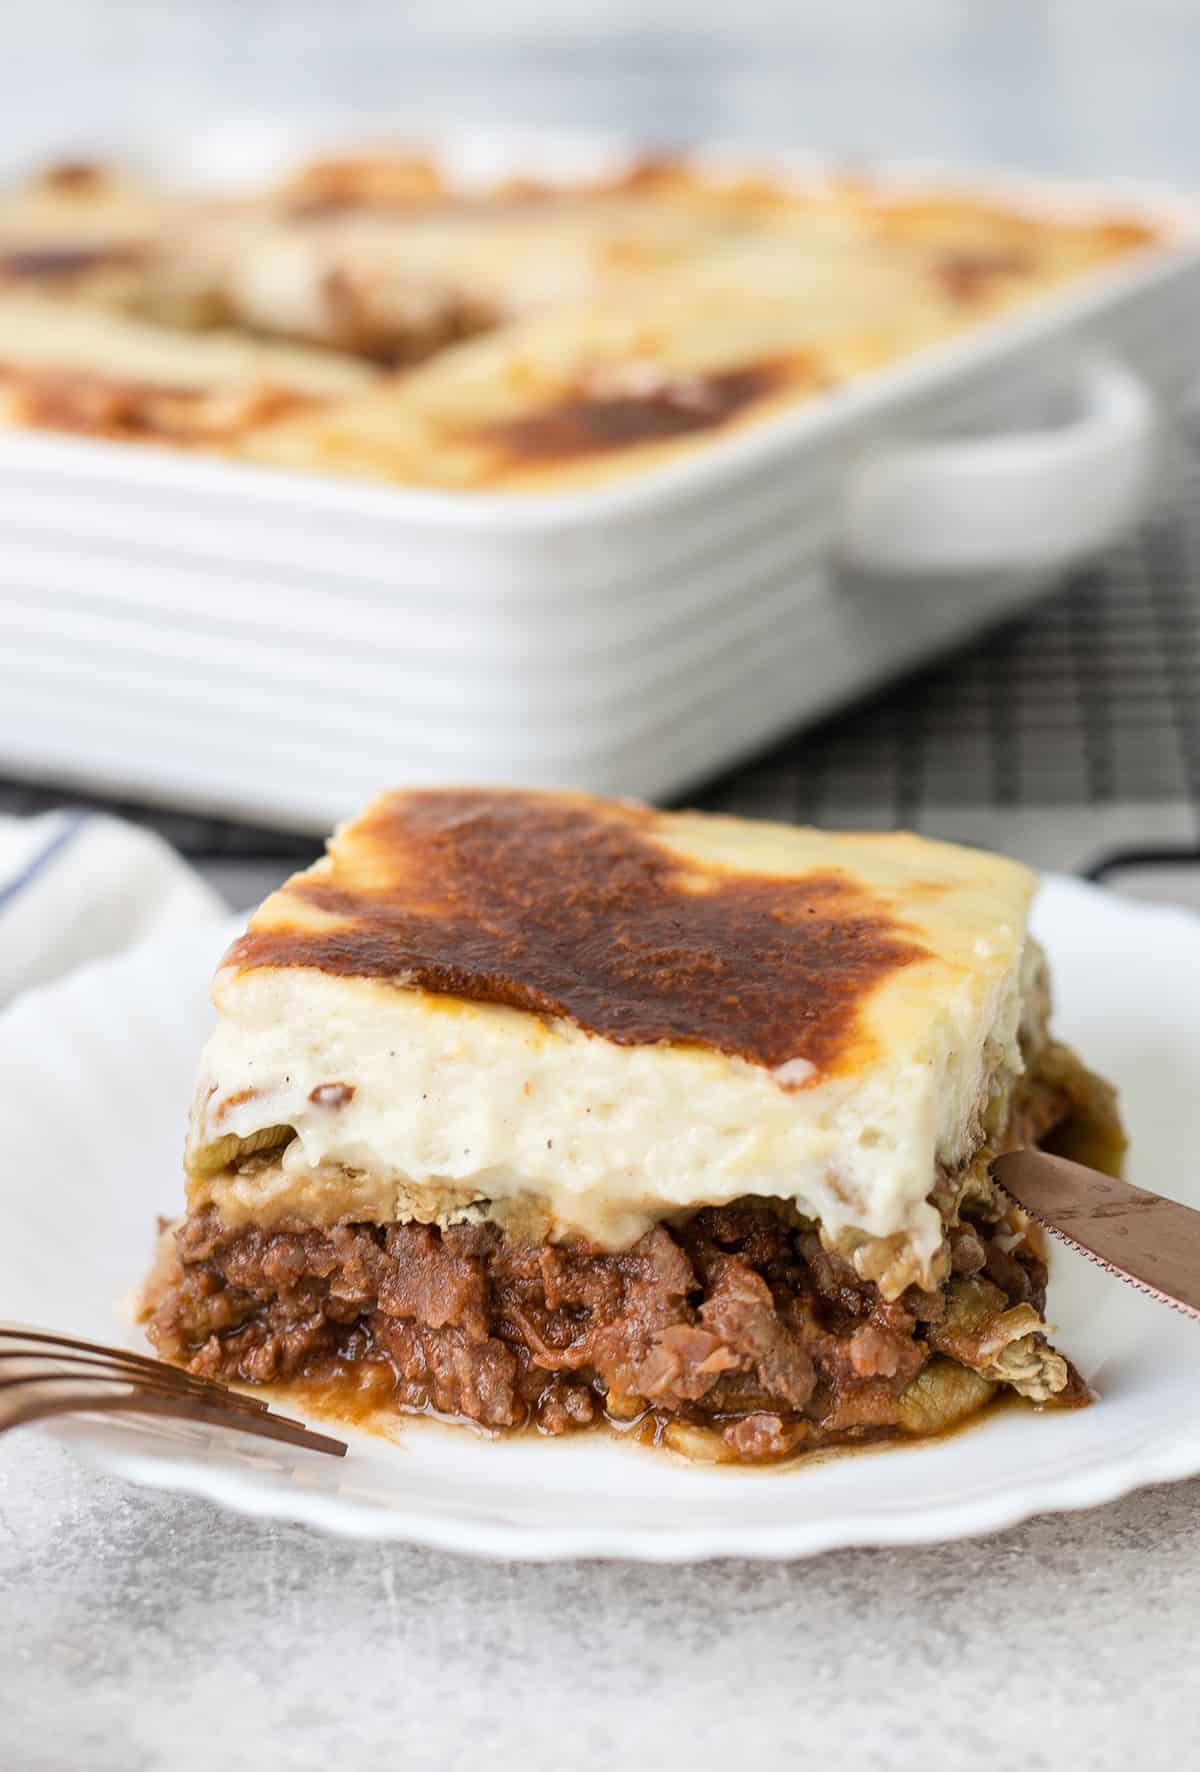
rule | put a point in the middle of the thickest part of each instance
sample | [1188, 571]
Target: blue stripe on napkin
[62, 839]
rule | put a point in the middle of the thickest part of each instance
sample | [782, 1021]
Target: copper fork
[43, 1375]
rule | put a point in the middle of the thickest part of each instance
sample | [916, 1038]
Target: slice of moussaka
[542, 1110]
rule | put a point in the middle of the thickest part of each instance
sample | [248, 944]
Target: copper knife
[1151, 1242]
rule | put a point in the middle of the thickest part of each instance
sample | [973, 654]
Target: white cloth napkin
[77, 886]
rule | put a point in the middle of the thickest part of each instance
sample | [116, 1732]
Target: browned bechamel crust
[60, 261]
[615, 410]
[88, 404]
[571, 908]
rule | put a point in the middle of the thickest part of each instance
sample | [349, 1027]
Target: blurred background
[1071, 737]
[1080, 86]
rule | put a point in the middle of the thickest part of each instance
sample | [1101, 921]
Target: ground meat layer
[738, 1321]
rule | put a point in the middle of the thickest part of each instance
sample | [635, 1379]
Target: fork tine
[102, 1381]
[41, 1365]
[24, 1332]
[97, 1383]
[16, 1332]
[113, 1366]
[17, 1410]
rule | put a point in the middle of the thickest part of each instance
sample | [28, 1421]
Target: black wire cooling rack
[1071, 737]
[1092, 700]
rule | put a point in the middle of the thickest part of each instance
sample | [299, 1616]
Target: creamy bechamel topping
[587, 1016]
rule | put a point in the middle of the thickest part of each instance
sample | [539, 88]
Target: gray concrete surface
[143, 1633]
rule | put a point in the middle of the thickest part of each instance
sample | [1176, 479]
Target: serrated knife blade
[1152, 1242]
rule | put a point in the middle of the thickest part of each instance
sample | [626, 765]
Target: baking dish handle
[1027, 500]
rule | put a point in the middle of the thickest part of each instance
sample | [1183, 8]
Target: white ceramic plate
[96, 1073]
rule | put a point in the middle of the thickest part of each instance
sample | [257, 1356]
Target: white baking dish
[275, 645]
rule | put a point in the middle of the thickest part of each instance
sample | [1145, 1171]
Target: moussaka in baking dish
[563, 335]
[536, 1109]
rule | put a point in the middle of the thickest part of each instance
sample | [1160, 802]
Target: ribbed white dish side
[78, 595]
[310, 777]
[113, 652]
